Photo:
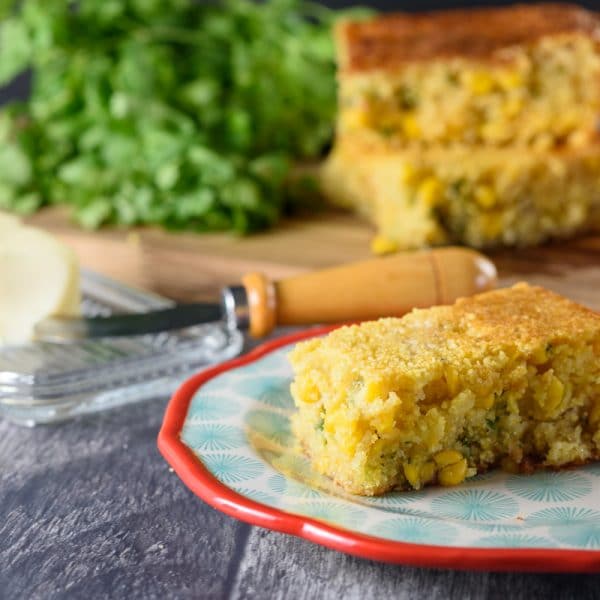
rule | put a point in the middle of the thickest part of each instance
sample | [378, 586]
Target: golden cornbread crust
[508, 378]
[395, 39]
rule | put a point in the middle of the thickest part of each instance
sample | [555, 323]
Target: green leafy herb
[457, 189]
[466, 439]
[176, 112]
[407, 98]
[492, 423]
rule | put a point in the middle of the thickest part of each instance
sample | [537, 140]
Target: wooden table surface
[89, 509]
[186, 266]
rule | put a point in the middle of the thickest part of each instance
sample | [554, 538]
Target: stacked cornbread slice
[477, 126]
[507, 378]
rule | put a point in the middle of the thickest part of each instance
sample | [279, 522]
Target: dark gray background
[388, 5]
[89, 509]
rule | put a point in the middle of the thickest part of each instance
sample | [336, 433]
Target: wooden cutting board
[187, 266]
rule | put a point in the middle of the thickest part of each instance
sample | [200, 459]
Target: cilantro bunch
[168, 112]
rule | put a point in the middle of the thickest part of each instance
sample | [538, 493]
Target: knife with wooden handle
[380, 287]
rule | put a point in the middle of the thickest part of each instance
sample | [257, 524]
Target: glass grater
[50, 382]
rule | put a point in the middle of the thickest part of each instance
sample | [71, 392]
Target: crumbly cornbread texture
[508, 378]
[479, 127]
[484, 198]
[527, 75]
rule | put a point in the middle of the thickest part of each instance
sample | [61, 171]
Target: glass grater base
[47, 382]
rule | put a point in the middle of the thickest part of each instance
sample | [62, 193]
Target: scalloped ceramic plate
[226, 433]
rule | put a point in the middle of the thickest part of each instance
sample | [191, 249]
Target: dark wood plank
[281, 567]
[571, 269]
[90, 509]
[187, 266]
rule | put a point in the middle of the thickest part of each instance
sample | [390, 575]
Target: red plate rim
[195, 475]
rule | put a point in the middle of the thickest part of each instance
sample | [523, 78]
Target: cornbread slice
[491, 197]
[522, 75]
[507, 378]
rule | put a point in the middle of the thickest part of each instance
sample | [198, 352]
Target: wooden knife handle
[381, 287]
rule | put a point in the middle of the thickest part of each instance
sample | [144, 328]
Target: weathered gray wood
[90, 509]
[281, 567]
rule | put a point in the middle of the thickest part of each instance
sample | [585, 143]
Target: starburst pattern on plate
[284, 486]
[332, 512]
[274, 391]
[549, 486]
[475, 505]
[210, 407]
[564, 515]
[213, 437]
[416, 530]
[257, 495]
[581, 535]
[392, 500]
[231, 468]
[508, 527]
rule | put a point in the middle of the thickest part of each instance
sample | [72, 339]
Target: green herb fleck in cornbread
[485, 198]
[477, 126]
[508, 378]
[526, 75]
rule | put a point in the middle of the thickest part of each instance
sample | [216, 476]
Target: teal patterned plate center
[238, 426]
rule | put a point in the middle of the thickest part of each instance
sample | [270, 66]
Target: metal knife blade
[233, 309]
[68, 329]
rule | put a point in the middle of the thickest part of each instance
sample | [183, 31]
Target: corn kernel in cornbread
[485, 198]
[478, 127]
[520, 75]
[508, 378]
